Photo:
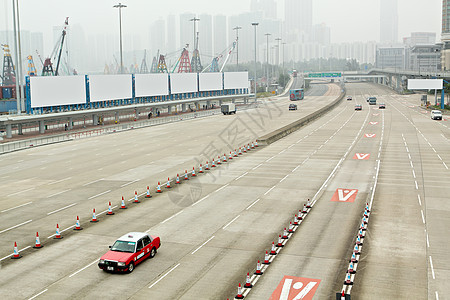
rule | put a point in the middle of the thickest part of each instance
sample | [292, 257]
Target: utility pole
[267, 67]
[255, 25]
[283, 55]
[278, 55]
[237, 45]
[120, 6]
[194, 19]
[17, 59]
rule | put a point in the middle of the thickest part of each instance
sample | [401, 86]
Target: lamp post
[17, 59]
[237, 45]
[283, 56]
[267, 70]
[435, 91]
[194, 19]
[120, 6]
[255, 26]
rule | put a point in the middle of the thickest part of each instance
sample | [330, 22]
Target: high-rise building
[220, 33]
[268, 7]
[157, 37]
[171, 34]
[420, 38]
[389, 21]
[205, 36]
[298, 20]
[187, 30]
[321, 34]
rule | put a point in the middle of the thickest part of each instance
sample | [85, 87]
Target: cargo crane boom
[66, 23]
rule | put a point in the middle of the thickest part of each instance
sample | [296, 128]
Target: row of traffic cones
[357, 248]
[287, 231]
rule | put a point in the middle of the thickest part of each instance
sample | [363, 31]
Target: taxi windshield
[123, 246]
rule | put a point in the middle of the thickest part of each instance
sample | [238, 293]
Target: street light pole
[194, 19]
[283, 55]
[237, 45]
[120, 6]
[267, 70]
[255, 26]
[17, 58]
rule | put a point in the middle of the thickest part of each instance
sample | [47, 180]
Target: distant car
[292, 106]
[128, 251]
[372, 100]
[382, 106]
[358, 107]
[436, 115]
[349, 98]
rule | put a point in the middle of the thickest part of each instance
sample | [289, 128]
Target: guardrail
[68, 136]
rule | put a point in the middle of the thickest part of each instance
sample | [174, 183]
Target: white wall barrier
[210, 82]
[235, 80]
[148, 85]
[183, 83]
[110, 87]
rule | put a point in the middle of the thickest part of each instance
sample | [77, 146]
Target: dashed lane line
[162, 277]
[193, 252]
[55, 211]
[229, 223]
[15, 226]
[16, 206]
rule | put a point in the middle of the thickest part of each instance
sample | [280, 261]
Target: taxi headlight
[121, 264]
[102, 261]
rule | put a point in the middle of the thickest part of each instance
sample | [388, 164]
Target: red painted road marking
[295, 288]
[375, 115]
[373, 123]
[361, 156]
[412, 106]
[370, 135]
[344, 195]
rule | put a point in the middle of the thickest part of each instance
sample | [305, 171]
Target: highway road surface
[216, 226]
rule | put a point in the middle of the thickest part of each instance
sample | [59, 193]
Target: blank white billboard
[235, 80]
[57, 90]
[183, 83]
[110, 87]
[148, 85]
[425, 84]
[210, 81]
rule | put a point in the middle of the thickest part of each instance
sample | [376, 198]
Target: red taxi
[128, 251]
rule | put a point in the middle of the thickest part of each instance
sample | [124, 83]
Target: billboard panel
[210, 81]
[147, 85]
[57, 90]
[183, 83]
[425, 84]
[110, 87]
[235, 80]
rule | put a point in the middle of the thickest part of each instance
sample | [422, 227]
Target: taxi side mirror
[109, 247]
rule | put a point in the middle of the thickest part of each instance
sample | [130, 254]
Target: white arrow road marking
[346, 197]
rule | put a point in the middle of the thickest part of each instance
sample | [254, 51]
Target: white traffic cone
[122, 205]
[248, 284]
[58, 233]
[148, 193]
[136, 200]
[16, 254]
[266, 259]
[37, 245]
[168, 186]
[273, 251]
[109, 212]
[77, 224]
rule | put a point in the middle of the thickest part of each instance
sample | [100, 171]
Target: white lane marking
[423, 217]
[407, 150]
[281, 152]
[229, 223]
[296, 168]
[58, 181]
[93, 181]
[428, 241]
[169, 218]
[38, 294]
[269, 190]
[16, 206]
[284, 178]
[73, 274]
[241, 176]
[164, 276]
[417, 187]
[95, 196]
[432, 268]
[412, 166]
[257, 200]
[20, 192]
[414, 174]
[222, 187]
[15, 226]
[420, 202]
[439, 156]
[437, 295]
[203, 244]
[55, 211]
[52, 195]
[13, 253]
[257, 166]
[270, 158]
[445, 165]
[195, 203]
[128, 183]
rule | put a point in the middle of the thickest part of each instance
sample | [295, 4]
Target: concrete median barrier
[294, 126]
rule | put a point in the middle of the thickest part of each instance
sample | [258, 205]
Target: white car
[436, 115]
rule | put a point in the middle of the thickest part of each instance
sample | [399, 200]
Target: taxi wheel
[153, 252]
[131, 267]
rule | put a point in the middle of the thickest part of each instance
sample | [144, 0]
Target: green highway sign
[324, 75]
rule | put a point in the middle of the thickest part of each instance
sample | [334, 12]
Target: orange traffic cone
[148, 193]
[136, 200]
[258, 269]
[168, 183]
[94, 217]
[235, 153]
[213, 164]
[253, 146]
[224, 159]
[110, 212]
[280, 241]
[38, 242]
[245, 149]
[16, 254]
[348, 279]
[158, 188]
[285, 234]
[58, 233]
[206, 166]
[122, 205]
[248, 284]
[239, 293]
[273, 251]
[240, 151]
[77, 224]
[351, 270]
[230, 157]
[193, 172]
[256, 143]
[296, 220]
[178, 179]
[200, 170]
[186, 175]
[266, 259]
[218, 160]
[308, 204]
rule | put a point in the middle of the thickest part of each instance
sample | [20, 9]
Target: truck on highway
[228, 108]
[294, 73]
[296, 94]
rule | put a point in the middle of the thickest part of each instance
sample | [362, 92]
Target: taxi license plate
[110, 268]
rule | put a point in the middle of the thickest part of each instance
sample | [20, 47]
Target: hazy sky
[350, 20]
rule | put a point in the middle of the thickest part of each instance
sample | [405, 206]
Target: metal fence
[68, 136]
